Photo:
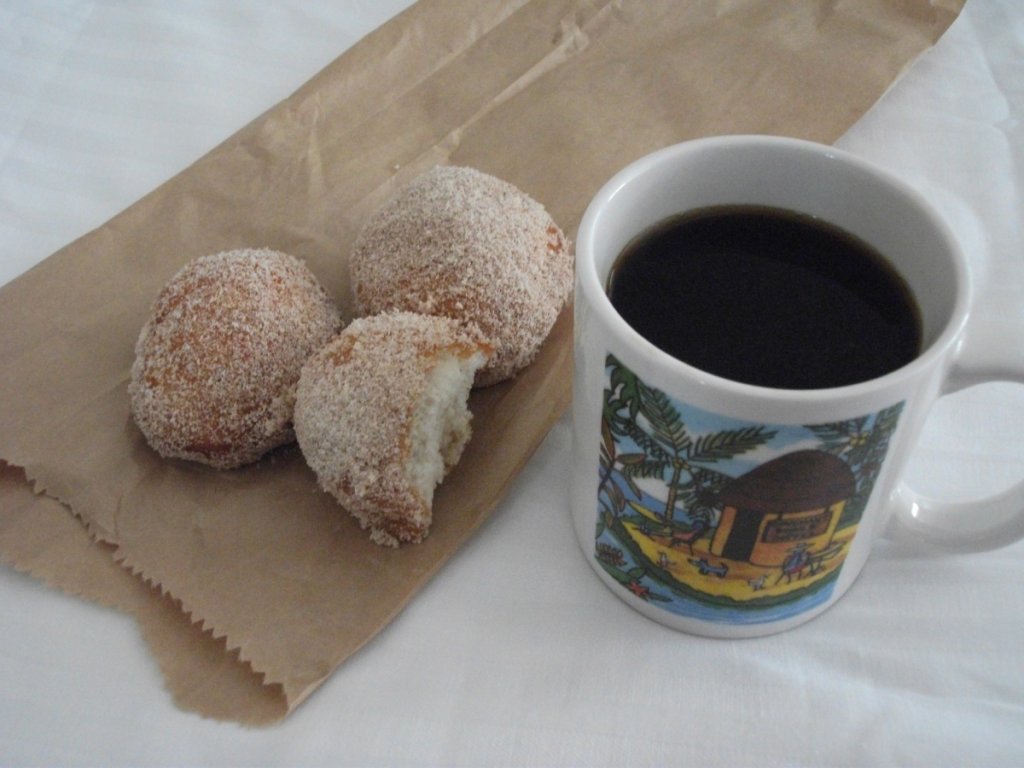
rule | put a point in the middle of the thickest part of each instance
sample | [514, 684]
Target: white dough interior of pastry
[441, 422]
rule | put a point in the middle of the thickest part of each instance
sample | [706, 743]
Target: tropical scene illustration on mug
[725, 520]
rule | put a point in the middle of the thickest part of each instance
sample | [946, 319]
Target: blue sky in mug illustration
[788, 438]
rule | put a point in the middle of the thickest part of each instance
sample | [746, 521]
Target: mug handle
[994, 521]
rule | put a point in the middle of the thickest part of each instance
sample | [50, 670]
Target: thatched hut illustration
[796, 498]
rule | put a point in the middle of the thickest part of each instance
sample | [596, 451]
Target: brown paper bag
[254, 573]
[41, 538]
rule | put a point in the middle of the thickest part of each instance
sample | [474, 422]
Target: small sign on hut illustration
[796, 498]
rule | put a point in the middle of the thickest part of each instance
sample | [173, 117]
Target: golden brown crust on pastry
[217, 361]
[463, 244]
[380, 416]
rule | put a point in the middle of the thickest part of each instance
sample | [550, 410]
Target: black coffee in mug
[767, 296]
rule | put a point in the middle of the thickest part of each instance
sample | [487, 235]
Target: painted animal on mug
[707, 568]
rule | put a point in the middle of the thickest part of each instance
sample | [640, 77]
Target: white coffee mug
[762, 532]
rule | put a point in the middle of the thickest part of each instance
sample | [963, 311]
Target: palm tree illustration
[862, 443]
[668, 451]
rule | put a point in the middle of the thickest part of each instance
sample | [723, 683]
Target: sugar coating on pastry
[381, 416]
[461, 243]
[218, 360]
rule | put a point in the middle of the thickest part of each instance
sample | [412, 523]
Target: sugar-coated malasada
[463, 244]
[219, 357]
[382, 415]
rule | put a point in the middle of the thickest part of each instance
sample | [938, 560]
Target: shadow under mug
[731, 510]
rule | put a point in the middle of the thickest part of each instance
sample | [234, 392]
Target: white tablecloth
[515, 654]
